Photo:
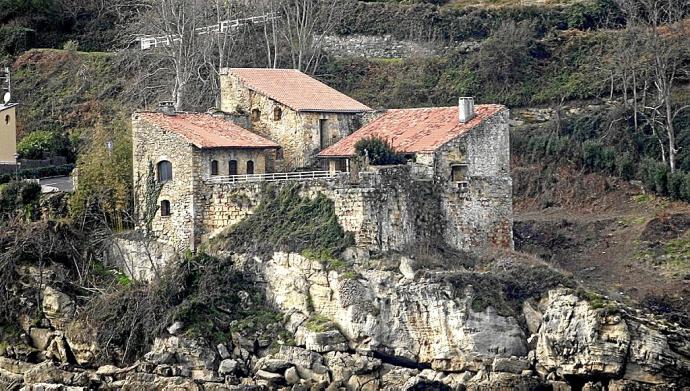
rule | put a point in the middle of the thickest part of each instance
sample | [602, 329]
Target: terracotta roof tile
[413, 130]
[297, 90]
[208, 131]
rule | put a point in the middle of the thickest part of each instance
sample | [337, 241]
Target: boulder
[576, 339]
[57, 307]
[511, 365]
[344, 365]
[40, 337]
[228, 367]
[327, 341]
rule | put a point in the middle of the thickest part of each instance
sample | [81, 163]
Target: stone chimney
[465, 109]
[166, 107]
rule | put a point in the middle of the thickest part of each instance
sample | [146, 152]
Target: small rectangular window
[165, 208]
[214, 167]
[459, 172]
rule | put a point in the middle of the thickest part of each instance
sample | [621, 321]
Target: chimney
[166, 107]
[465, 109]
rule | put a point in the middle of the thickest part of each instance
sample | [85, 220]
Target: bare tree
[661, 35]
[306, 23]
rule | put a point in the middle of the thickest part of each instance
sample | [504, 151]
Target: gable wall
[482, 214]
[296, 132]
[152, 144]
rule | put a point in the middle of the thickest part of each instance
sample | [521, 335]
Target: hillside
[594, 296]
[101, 95]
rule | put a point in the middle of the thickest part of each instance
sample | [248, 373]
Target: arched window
[214, 167]
[277, 113]
[256, 114]
[165, 208]
[164, 170]
[232, 167]
[250, 167]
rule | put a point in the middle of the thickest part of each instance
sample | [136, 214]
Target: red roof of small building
[297, 90]
[413, 130]
[208, 131]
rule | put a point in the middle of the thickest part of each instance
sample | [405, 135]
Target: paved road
[62, 183]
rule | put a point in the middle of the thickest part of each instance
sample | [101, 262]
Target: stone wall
[374, 46]
[298, 133]
[152, 144]
[263, 160]
[481, 214]
[137, 257]
[386, 209]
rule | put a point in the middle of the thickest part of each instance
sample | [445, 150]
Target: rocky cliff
[371, 323]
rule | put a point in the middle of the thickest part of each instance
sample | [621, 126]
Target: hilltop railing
[272, 177]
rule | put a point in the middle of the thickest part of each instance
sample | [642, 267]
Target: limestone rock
[57, 306]
[40, 337]
[47, 372]
[576, 339]
[425, 320]
[344, 365]
[176, 328]
[533, 316]
[327, 341]
[223, 351]
[511, 365]
[291, 376]
[228, 367]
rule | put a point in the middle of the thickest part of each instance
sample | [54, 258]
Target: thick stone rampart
[386, 208]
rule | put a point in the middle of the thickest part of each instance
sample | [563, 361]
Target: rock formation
[394, 327]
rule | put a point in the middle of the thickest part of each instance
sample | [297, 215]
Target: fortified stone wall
[385, 209]
[298, 133]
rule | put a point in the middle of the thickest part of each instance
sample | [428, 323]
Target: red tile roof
[208, 131]
[297, 90]
[413, 130]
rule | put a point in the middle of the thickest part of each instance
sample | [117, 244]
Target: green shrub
[71, 46]
[42, 143]
[625, 166]
[287, 221]
[379, 152]
[654, 175]
[19, 198]
[202, 292]
[597, 156]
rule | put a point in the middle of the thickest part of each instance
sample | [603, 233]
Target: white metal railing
[272, 177]
[148, 42]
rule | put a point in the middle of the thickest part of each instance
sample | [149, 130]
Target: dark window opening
[256, 114]
[165, 208]
[7, 119]
[164, 171]
[459, 173]
[250, 167]
[279, 154]
[323, 133]
[277, 114]
[232, 167]
[214, 167]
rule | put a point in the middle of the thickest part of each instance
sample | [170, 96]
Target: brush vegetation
[285, 220]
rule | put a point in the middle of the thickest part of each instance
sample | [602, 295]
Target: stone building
[464, 151]
[454, 189]
[296, 111]
[8, 134]
[185, 150]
